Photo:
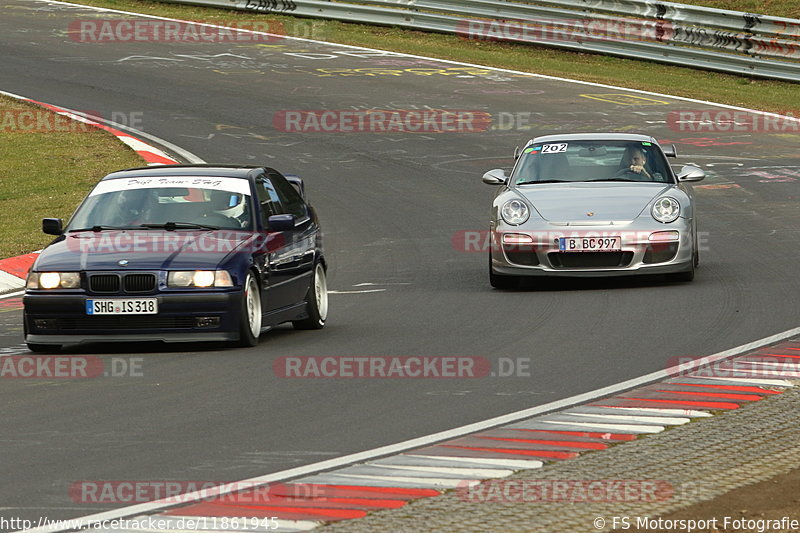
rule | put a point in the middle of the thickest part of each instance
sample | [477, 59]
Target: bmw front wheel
[316, 301]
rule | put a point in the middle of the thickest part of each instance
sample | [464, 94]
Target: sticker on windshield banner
[554, 148]
[236, 185]
[531, 150]
[647, 144]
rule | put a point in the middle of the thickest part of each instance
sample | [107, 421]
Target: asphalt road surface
[392, 205]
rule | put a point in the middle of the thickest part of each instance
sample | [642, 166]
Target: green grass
[776, 8]
[753, 93]
[46, 174]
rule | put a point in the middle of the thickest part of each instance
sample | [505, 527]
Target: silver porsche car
[592, 204]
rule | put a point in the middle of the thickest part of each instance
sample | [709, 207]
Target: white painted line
[447, 435]
[511, 463]
[757, 381]
[12, 294]
[768, 372]
[475, 473]
[356, 292]
[140, 146]
[771, 364]
[610, 427]
[422, 482]
[692, 413]
[669, 421]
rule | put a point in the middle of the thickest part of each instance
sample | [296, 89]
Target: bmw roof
[227, 171]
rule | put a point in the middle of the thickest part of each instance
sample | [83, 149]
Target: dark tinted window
[269, 200]
[291, 200]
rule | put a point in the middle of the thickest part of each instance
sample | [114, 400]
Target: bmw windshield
[171, 203]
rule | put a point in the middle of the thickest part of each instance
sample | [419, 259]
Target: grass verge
[767, 95]
[47, 169]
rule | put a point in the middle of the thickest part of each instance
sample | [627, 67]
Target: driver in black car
[634, 164]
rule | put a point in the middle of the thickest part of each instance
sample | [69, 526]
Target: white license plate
[127, 306]
[590, 244]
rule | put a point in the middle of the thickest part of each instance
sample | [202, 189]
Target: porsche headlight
[53, 280]
[515, 212]
[666, 209]
[199, 278]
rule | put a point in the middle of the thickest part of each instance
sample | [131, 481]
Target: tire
[250, 321]
[499, 281]
[683, 277]
[316, 301]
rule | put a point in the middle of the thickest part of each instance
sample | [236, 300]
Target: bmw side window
[291, 200]
[269, 200]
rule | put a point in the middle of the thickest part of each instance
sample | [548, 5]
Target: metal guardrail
[712, 39]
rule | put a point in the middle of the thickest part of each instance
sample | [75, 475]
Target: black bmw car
[179, 254]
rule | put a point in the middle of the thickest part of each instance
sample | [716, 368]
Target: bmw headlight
[515, 212]
[53, 280]
[666, 209]
[199, 278]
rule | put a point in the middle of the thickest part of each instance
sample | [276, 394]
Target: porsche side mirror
[495, 176]
[691, 173]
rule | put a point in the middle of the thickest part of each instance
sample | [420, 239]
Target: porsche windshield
[178, 203]
[581, 161]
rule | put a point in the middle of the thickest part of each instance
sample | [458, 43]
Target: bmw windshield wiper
[100, 227]
[613, 179]
[171, 226]
[541, 181]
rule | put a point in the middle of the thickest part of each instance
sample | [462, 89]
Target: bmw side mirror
[495, 176]
[691, 173]
[52, 226]
[280, 223]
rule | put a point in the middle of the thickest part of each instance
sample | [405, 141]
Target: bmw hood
[601, 201]
[143, 250]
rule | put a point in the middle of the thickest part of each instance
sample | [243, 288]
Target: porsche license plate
[126, 306]
[590, 244]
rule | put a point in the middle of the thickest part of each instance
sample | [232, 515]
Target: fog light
[517, 238]
[664, 236]
[206, 321]
[44, 323]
